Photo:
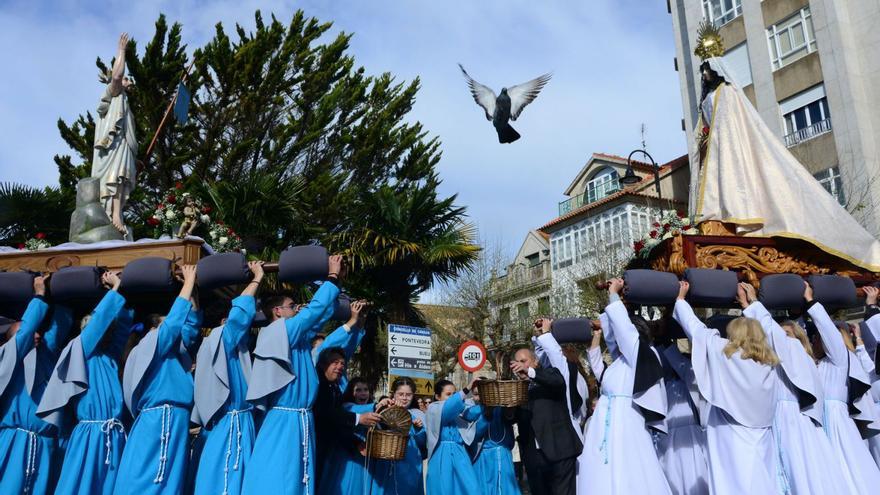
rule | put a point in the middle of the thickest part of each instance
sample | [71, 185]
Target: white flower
[667, 235]
[169, 214]
[157, 217]
[206, 219]
[650, 242]
[223, 240]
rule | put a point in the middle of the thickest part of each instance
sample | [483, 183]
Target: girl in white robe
[806, 458]
[682, 451]
[619, 456]
[737, 377]
[847, 402]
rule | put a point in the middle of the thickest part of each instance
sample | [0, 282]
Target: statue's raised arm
[115, 153]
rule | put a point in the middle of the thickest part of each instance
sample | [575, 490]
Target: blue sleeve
[102, 318]
[30, 322]
[359, 408]
[59, 328]
[170, 329]
[473, 413]
[191, 330]
[452, 409]
[238, 323]
[319, 310]
[124, 322]
[348, 340]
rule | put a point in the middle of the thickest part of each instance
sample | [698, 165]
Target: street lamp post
[631, 178]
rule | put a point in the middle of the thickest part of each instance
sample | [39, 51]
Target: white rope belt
[304, 422]
[163, 439]
[234, 429]
[31, 466]
[107, 427]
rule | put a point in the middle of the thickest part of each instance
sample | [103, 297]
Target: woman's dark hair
[439, 385]
[348, 395]
[326, 357]
[643, 327]
[710, 86]
[403, 381]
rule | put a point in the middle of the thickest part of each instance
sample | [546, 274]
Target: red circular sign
[472, 356]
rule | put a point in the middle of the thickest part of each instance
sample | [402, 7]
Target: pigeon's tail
[506, 133]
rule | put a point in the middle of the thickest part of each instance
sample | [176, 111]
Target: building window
[602, 184]
[832, 182]
[805, 115]
[534, 259]
[522, 311]
[791, 39]
[504, 315]
[737, 61]
[544, 306]
[720, 12]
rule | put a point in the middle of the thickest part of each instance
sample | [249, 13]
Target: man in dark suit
[548, 443]
[334, 426]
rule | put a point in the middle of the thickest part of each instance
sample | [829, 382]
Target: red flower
[638, 246]
[656, 224]
[40, 235]
[152, 221]
[680, 214]
[219, 222]
[171, 198]
[21, 245]
[206, 209]
[665, 226]
[178, 185]
[653, 234]
[161, 206]
[685, 227]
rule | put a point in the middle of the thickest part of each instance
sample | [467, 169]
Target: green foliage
[293, 142]
[26, 211]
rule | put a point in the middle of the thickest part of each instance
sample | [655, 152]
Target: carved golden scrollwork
[55, 263]
[753, 260]
[714, 227]
[672, 259]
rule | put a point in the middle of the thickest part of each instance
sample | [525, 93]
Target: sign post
[471, 356]
[409, 355]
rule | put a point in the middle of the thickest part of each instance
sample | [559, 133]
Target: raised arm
[832, 341]
[752, 308]
[191, 331]
[59, 327]
[103, 315]
[452, 408]
[320, 308]
[121, 332]
[171, 328]
[861, 352]
[685, 316]
[348, 336]
[244, 308]
[550, 347]
[118, 71]
[32, 319]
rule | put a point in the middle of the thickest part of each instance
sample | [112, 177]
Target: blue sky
[612, 64]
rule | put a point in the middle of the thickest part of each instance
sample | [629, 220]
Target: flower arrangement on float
[670, 224]
[181, 213]
[37, 242]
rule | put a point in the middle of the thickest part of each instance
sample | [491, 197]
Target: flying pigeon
[506, 106]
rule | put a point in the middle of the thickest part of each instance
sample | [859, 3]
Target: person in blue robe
[223, 368]
[403, 477]
[284, 382]
[27, 443]
[85, 382]
[158, 391]
[451, 425]
[494, 456]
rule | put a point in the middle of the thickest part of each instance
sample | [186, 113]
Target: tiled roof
[634, 190]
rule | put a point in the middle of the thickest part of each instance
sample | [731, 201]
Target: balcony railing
[594, 192]
[807, 133]
[520, 277]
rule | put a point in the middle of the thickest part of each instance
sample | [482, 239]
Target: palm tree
[26, 211]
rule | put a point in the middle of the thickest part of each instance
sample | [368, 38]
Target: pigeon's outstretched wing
[523, 94]
[484, 96]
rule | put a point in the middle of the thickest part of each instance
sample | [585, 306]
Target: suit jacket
[334, 426]
[546, 418]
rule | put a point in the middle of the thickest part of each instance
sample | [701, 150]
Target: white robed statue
[747, 178]
[115, 143]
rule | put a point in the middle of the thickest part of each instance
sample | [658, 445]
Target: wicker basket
[386, 445]
[504, 393]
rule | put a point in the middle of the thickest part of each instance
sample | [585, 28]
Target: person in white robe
[870, 330]
[682, 450]
[619, 456]
[849, 414]
[747, 177]
[806, 459]
[737, 377]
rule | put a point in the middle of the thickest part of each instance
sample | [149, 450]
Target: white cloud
[611, 60]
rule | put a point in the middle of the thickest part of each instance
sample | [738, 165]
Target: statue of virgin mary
[742, 175]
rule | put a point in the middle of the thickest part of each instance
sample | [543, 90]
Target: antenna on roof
[644, 130]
